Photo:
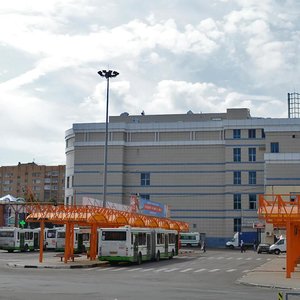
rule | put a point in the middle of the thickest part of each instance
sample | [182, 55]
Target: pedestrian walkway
[272, 274]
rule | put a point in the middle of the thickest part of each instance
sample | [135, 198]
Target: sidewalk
[272, 274]
[50, 261]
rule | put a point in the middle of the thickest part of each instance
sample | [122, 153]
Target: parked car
[263, 247]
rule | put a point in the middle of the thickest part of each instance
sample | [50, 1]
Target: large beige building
[47, 183]
[209, 168]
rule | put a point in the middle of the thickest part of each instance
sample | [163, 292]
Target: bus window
[114, 236]
[6, 234]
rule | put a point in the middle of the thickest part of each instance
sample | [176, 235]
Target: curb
[14, 265]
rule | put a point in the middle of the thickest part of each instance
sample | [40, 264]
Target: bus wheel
[158, 256]
[26, 248]
[10, 251]
[139, 259]
[172, 255]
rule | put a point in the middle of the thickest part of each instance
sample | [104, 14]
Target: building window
[252, 177]
[237, 201]
[236, 133]
[237, 178]
[236, 154]
[251, 133]
[237, 224]
[145, 179]
[252, 201]
[68, 182]
[275, 147]
[263, 135]
[252, 154]
[145, 196]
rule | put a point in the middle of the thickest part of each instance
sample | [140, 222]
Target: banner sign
[147, 207]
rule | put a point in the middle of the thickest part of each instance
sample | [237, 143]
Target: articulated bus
[130, 244]
[21, 239]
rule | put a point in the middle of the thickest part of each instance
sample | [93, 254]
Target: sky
[172, 55]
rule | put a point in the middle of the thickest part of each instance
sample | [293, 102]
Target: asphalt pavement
[270, 274]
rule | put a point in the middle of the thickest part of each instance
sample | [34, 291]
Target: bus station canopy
[99, 216]
[94, 217]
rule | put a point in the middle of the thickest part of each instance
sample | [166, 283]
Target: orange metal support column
[67, 243]
[93, 242]
[42, 234]
[289, 250]
[72, 236]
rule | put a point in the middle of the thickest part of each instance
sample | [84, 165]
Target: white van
[278, 247]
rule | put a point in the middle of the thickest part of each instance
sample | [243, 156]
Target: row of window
[34, 181]
[50, 173]
[237, 201]
[274, 148]
[251, 133]
[237, 154]
[237, 177]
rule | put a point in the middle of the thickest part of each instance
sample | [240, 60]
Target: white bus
[22, 239]
[51, 238]
[81, 239]
[130, 244]
[190, 239]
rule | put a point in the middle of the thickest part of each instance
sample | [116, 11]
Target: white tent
[10, 198]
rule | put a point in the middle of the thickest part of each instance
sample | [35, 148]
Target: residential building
[209, 168]
[47, 183]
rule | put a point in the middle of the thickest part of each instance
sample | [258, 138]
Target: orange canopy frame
[284, 212]
[93, 217]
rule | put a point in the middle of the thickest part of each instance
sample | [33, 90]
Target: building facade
[209, 168]
[47, 183]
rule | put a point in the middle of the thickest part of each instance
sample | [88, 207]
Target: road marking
[231, 270]
[135, 269]
[249, 258]
[185, 270]
[159, 270]
[200, 270]
[220, 257]
[104, 269]
[214, 270]
[258, 258]
[239, 258]
[119, 269]
[246, 271]
[229, 258]
[171, 270]
[146, 270]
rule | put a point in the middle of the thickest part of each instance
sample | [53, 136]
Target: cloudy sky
[172, 56]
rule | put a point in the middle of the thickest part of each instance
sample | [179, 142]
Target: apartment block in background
[47, 183]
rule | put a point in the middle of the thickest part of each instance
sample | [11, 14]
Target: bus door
[166, 244]
[149, 245]
[22, 240]
[135, 245]
[36, 240]
[80, 247]
[177, 242]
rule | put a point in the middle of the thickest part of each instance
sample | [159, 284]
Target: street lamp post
[107, 74]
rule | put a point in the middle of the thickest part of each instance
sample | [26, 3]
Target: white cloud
[172, 58]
